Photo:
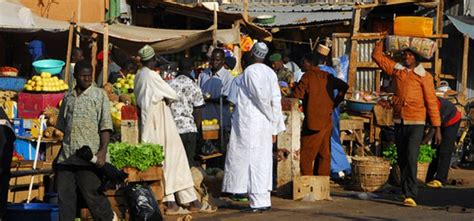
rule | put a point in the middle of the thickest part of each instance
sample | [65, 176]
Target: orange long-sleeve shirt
[414, 91]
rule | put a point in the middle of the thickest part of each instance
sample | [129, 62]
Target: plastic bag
[142, 203]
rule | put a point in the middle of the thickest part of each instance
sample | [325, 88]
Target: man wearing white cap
[158, 127]
[256, 121]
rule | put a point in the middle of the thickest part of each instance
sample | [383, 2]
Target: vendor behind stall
[414, 97]
[283, 73]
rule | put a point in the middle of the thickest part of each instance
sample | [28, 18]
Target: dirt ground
[452, 203]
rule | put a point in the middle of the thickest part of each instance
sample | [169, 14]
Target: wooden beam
[439, 42]
[378, 74]
[94, 54]
[353, 59]
[68, 54]
[465, 65]
[246, 10]
[214, 30]
[105, 66]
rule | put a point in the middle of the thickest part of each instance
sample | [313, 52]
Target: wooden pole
[246, 10]
[94, 54]
[439, 41]
[214, 31]
[105, 47]
[465, 65]
[78, 37]
[68, 54]
[238, 50]
[354, 52]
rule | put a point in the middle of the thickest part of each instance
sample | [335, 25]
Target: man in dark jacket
[7, 137]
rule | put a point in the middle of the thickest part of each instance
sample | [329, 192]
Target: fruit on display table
[116, 112]
[46, 83]
[210, 122]
[125, 84]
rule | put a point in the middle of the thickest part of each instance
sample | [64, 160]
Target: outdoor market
[182, 110]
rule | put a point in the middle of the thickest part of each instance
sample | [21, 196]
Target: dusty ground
[452, 203]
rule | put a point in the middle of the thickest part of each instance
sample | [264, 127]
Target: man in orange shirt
[414, 97]
[316, 89]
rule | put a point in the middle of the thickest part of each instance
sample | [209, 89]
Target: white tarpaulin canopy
[165, 40]
[14, 17]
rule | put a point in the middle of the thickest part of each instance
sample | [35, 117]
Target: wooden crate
[18, 191]
[153, 176]
[210, 134]
[317, 186]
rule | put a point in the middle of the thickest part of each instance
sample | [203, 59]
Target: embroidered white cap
[260, 50]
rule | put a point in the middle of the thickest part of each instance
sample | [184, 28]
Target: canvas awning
[14, 17]
[164, 41]
[464, 24]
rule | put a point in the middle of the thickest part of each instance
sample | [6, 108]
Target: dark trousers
[408, 141]
[439, 167]
[7, 137]
[189, 141]
[316, 149]
[88, 182]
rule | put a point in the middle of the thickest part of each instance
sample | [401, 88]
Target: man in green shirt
[283, 73]
[85, 120]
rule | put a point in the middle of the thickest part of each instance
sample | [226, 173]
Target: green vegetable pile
[140, 156]
[425, 156]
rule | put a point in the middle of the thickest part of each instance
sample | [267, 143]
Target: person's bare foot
[172, 206]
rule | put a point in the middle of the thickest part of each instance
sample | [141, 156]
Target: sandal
[410, 202]
[180, 211]
[205, 208]
[435, 184]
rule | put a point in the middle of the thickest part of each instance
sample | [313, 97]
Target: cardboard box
[311, 188]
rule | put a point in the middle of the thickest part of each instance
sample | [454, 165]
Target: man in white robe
[158, 127]
[256, 121]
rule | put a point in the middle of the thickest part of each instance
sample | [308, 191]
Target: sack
[383, 116]
[142, 203]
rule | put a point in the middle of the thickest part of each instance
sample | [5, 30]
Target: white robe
[158, 127]
[257, 116]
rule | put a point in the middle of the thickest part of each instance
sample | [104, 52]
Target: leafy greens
[140, 156]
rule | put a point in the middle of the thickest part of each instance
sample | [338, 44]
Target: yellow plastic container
[413, 26]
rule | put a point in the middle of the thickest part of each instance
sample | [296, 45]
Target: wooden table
[356, 126]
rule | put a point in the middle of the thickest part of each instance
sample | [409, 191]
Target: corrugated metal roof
[295, 14]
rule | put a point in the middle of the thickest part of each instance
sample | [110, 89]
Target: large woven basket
[370, 173]
[422, 171]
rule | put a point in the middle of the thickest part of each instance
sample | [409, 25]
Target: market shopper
[256, 121]
[113, 67]
[85, 120]
[414, 97]
[283, 73]
[186, 110]
[157, 126]
[450, 121]
[316, 89]
[7, 138]
[292, 66]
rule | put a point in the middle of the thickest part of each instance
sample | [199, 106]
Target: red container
[31, 105]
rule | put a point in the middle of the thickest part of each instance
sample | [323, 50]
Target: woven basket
[422, 171]
[370, 173]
